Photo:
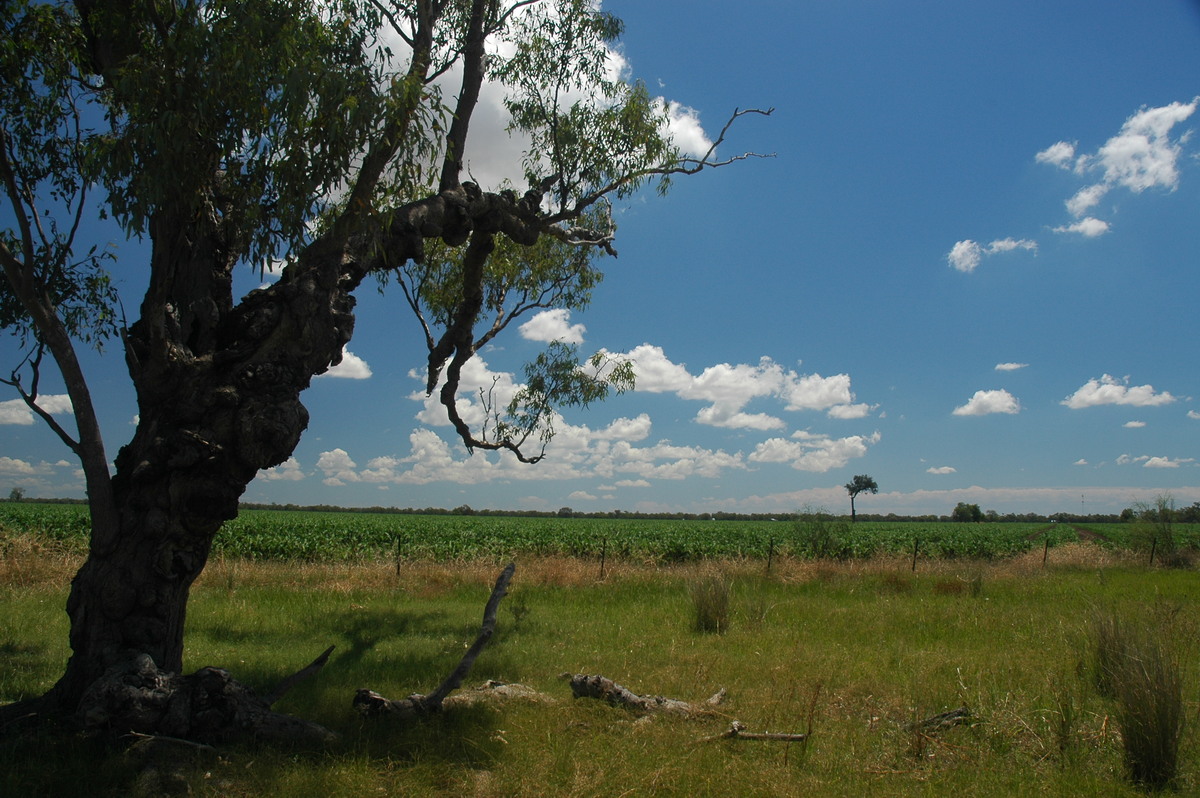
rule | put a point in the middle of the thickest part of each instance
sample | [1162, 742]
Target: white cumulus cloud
[11, 466]
[1108, 390]
[685, 130]
[352, 367]
[942, 470]
[806, 451]
[1147, 461]
[987, 402]
[1010, 366]
[553, 325]
[338, 467]
[729, 388]
[1090, 227]
[288, 471]
[15, 411]
[965, 256]
[1060, 154]
[1166, 462]
[1142, 155]
[1086, 198]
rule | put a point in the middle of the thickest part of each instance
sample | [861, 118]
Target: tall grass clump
[1136, 670]
[710, 603]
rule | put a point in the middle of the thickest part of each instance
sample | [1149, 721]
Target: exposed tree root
[208, 706]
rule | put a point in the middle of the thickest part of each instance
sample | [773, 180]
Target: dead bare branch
[372, 704]
[605, 689]
[309, 670]
[942, 720]
[737, 731]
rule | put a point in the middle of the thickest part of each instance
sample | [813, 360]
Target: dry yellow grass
[27, 562]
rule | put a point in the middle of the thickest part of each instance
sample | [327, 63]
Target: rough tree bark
[604, 689]
[218, 383]
[218, 386]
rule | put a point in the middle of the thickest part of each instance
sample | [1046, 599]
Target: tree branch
[737, 731]
[372, 704]
[30, 399]
[307, 671]
[486, 630]
[683, 166]
[605, 689]
[468, 96]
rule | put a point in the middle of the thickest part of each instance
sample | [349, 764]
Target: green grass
[860, 650]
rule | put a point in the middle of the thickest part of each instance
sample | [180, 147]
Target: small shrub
[1138, 672]
[820, 536]
[518, 607]
[710, 603]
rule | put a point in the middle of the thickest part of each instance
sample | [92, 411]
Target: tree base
[208, 706]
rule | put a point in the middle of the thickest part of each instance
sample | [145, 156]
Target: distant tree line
[961, 512]
[1186, 515]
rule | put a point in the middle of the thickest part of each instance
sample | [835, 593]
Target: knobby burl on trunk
[218, 391]
[218, 383]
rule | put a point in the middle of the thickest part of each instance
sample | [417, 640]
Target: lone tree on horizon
[860, 484]
[327, 139]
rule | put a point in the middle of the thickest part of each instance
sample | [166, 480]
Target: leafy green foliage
[556, 378]
[516, 280]
[966, 512]
[47, 160]
[587, 125]
[273, 99]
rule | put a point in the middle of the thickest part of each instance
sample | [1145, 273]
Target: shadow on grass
[55, 761]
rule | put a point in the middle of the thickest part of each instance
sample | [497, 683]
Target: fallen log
[737, 731]
[942, 720]
[371, 704]
[605, 689]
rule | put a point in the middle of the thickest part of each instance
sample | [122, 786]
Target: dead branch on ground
[372, 704]
[605, 689]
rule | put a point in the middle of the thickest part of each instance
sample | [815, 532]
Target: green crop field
[355, 536]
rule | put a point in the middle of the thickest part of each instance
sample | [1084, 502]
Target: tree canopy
[966, 512]
[860, 484]
[325, 141]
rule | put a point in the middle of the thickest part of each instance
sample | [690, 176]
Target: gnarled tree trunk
[219, 399]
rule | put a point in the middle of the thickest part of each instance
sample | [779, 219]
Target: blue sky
[970, 271]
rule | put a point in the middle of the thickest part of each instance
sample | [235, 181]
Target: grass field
[856, 651]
